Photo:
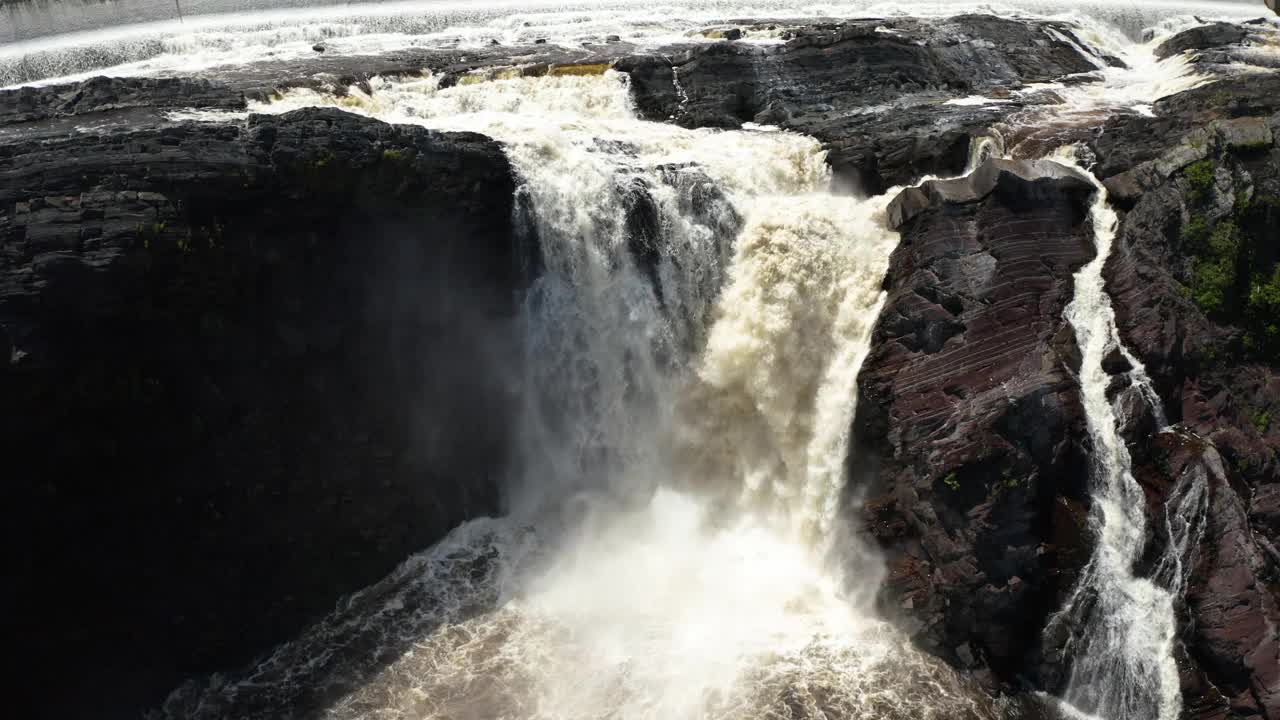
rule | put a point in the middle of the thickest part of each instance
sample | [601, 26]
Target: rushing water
[694, 343]
[1124, 625]
[673, 548]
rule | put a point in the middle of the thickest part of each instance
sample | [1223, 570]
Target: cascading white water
[1124, 626]
[693, 366]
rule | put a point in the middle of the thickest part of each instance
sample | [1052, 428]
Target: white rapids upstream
[670, 552]
[219, 37]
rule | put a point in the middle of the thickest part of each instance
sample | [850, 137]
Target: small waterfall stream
[1124, 625]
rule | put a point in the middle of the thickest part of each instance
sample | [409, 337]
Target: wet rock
[318, 47]
[101, 94]
[1232, 637]
[1034, 178]
[968, 428]
[1201, 38]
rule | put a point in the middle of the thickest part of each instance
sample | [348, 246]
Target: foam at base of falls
[654, 614]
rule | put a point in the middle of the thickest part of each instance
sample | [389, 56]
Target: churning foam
[693, 348]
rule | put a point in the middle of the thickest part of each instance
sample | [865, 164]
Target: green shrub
[1199, 177]
[1215, 275]
[1196, 232]
[1262, 315]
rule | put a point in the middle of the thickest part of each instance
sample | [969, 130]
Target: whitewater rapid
[39, 47]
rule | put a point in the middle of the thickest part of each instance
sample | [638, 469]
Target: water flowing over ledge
[680, 536]
[694, 341]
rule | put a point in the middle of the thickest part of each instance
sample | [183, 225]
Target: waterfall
[983, 147]
[693, 345]
[1124, 625]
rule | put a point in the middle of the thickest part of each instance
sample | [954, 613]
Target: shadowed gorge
[554, 360]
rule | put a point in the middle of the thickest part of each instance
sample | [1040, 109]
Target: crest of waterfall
[1123, 625]
[693, 344]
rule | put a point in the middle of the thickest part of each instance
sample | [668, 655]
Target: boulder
[1201, 38]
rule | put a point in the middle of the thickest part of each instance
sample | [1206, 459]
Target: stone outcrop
[100, 95]
[246, 368]
[1202, 38]
[874, 92]
[1223, 47]
[946, 455]
[969, 425]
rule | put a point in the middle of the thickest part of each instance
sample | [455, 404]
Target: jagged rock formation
[1225, 48]
[968, 426]
[246, 368]
[1201, 38]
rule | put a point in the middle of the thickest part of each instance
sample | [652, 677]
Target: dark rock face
[968, 427]
[1215, 46]
[1208, 166]
[246, 368]
[1201, 38]
[102, 94]
[872, 91]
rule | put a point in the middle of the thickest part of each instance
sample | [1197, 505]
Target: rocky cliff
[874, 92]
[1195, 286]
[246, 368]
[969, 425]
